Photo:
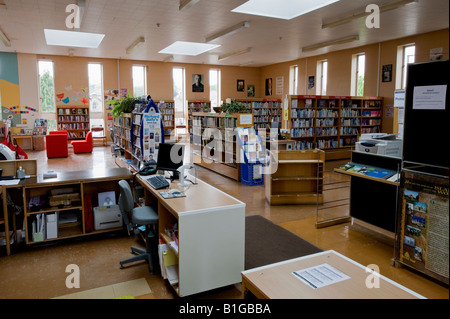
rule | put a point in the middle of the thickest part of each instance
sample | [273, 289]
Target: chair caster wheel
[121, 266]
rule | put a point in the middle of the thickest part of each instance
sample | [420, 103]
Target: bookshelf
[218, 153]
[332, 123]
[123, 135]
[73, 119]
[265, 111]
[297, 179]
[195, 107]
[167, 110]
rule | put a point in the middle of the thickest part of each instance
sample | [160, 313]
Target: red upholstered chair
[83, 146]
[57, 144]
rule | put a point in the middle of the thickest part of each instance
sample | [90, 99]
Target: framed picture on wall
[387, 73]
[269, 86]
[311, 82]
[197, 83]
[240, 85]
[250, 90]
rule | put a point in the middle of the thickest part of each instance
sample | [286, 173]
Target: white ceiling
[161, 23]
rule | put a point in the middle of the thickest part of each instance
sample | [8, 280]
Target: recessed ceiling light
[73, 38]
[188, 48]
[281, 9]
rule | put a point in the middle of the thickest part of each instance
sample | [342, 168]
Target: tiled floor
[39, 271]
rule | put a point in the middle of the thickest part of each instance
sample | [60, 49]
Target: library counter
[211, 234]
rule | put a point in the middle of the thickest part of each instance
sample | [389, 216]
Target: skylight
[281, 9]
[73, 38]
[188, 48]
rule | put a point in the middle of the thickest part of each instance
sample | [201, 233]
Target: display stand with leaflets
[423, 211]
[151, 132]
[252, 153]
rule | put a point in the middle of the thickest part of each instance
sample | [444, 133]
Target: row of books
[371, 122]
[73, 118]
[370, 171]
[79, 111]
[74, 126]
[325, 122]
[301, 123]
[350, 121]
[322, 144]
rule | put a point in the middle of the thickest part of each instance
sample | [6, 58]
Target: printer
[106, 217]
[381, 144]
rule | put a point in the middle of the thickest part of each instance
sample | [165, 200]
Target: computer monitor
[170, 158]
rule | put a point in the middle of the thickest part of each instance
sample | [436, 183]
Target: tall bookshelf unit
[332, 123]
[219, 155]
[265, 111]
[167, 110]
[195, 107]
[73, 119]
[123, 135]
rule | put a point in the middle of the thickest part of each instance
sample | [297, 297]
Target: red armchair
[57, 144]
[83, 146]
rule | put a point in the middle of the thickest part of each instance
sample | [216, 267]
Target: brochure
[173, 193]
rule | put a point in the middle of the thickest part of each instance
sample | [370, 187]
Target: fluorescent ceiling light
[188, 48]
[330, 43]
[4, 39]
[228, 31]
[234, 53]
[73, 38]
[281, 9]
[139, 41]
[184, 4]
[356, 16]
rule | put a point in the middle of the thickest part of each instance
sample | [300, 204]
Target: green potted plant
[234, 107]
[125, 105]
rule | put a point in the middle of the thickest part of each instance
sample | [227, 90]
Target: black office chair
[140, 216]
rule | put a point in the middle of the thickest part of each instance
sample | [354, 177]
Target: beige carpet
[133, 289]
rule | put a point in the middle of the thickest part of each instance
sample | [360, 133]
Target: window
[139, 80]
[322, 74]
[409, 55]
[47, 86]
[358, 72]
[214, 87]
[179, 96]
[293, 80]
[95, 73]
[405, 55]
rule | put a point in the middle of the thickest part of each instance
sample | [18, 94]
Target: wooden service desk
[277, 281]
[211, 235]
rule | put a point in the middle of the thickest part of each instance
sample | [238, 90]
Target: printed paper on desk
[320, 276]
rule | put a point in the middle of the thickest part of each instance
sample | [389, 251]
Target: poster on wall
[424, 232]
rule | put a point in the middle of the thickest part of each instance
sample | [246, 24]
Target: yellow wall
[73, 71]
[339, 68]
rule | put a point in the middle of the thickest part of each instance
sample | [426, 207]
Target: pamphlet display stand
[252, 156]
[423, 210]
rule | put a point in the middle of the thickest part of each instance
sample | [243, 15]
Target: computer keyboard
[158, 182]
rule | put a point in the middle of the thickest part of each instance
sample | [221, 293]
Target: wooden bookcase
[265, 111]
[167, 110]
[219, 155]
[73, 119]
[195, 107]
[332, 123]
[122, 136]
[297, 177]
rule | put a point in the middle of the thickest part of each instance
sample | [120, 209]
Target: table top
[278, 281]
[199, 197]
[94, 175]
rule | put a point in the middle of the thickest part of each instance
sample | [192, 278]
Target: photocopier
[381, 144]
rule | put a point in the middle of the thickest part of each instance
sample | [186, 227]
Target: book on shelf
[346, 167]
[383, 174]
